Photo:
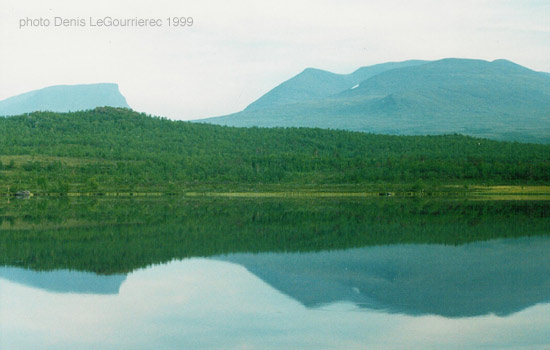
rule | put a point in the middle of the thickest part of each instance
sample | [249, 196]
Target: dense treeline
[118, 235]
[118, 149]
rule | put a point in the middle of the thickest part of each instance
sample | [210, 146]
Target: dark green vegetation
[498, 100]
[64, 98]
[118, 150]
[119, 235]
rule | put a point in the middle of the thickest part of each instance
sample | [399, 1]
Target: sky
[236, 51]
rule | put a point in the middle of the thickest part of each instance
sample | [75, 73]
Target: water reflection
[325, 300]
[496, 277]
[110, 236]
[64, 281]
[105, 274]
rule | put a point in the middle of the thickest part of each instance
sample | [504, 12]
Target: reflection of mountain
[64, 281]
[501, 276]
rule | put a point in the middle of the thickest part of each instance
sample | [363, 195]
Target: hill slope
[111, 149]
[64, 98]
[499, 100]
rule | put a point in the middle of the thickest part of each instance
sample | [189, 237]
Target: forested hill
[118, 149]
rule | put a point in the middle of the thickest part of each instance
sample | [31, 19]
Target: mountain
[313, 83]
[64, 98]
[499, 100]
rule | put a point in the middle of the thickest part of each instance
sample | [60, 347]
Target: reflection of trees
[118, 235]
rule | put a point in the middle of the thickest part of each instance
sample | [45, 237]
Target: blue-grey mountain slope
[499, 100]
[313, 84]
[64, 98]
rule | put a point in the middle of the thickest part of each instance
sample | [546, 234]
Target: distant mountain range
[64, 98]
[498, 99]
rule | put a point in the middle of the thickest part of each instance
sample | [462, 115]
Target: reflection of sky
[201, 303]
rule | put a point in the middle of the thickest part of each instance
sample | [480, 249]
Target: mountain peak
[310, 70]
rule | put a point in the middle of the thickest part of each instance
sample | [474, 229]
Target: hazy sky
[238, 50]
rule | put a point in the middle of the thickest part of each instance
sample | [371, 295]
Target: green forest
[119, 150]
[113, 235]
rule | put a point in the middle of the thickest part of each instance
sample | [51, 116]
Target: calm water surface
[481, 295]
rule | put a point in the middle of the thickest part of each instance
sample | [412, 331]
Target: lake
[227, 273]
